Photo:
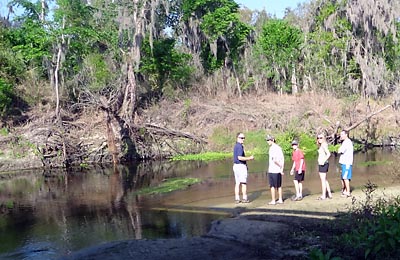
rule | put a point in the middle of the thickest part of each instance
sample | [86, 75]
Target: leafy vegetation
[255, 144]
[5, 96]
[373, 227]
[169, 185]
[280, 43]
[209, 156]
[120, 57]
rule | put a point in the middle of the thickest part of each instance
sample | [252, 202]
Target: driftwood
[332, 135]
[170, 132]
[366, 118]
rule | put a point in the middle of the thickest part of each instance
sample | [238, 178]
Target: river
[48, 214]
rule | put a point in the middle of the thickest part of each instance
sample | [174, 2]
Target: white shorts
[240, 172]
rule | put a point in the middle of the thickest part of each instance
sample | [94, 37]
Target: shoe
[299, 198]
[330, 197]
[321, 198]
[280, 202]
[294, 198]
[345, 195]
[237, 201]
[245, 201]
[271, 203]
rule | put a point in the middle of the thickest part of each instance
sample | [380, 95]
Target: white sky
[274, 7]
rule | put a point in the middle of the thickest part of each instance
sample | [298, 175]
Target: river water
[49, 214]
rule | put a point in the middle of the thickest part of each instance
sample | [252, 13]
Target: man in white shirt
[275, 170]
[346, 160]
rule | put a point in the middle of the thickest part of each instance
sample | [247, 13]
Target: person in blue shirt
[240, 169]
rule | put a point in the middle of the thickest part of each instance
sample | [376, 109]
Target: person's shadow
[255, 195]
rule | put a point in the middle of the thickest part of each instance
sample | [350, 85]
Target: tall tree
[372, 22]
[214, 32]
[280, 45]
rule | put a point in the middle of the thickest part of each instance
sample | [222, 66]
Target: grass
[208, 156]
[255, 144]
[169, 185]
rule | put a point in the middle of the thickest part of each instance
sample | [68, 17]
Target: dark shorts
[323, 168]
[275, 180]
[299, 177]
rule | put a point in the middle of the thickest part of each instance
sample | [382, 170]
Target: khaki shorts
[240, 172]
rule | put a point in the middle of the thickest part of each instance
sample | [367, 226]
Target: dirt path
[257, 231]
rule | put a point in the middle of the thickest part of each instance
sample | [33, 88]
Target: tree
[165, 68]
[327, 61]
[213, 31]
[280, 44]
[373, 24]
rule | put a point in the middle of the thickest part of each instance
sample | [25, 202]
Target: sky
[274, 7]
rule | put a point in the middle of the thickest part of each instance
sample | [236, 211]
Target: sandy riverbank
[258, 231]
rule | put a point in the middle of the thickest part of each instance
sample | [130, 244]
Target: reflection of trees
[118, 190]
[72, 205]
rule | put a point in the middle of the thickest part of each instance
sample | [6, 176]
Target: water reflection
[56, 212]
[47, 214]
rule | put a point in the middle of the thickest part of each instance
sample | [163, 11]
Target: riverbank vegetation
[100, 81]
[169, 185]
[370, 230]
[255, 144]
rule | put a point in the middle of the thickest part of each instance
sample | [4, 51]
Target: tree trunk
[295, 89]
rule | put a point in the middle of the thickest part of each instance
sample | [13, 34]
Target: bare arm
[246, 158]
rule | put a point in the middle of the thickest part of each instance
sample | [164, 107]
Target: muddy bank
[170, 128]
[259, 231]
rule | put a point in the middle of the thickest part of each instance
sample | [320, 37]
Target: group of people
[276, 162]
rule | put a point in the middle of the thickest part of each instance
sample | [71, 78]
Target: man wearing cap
[298, 169]
[275, 169]
[346, 150]
[240, 168]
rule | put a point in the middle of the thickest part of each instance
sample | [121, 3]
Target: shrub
[375, 230]
[5, 95]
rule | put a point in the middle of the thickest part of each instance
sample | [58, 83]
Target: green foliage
[5, 95]
[4, 131]
[327, 10]
[169, 185]
[222, 139]
[32, 41]
[255, 143]
[10, 204]
[11, 63]
[84, 165]
[326, 49]
[392, 50]
[97, 71]
[375, 229]
[318, 254]
[209, 156]
[280, 43]
[220, 24]
[307, 143]
[335, 148]
[164, 66]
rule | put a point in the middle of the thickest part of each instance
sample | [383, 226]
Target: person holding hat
[298, 169]
[275, 170]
